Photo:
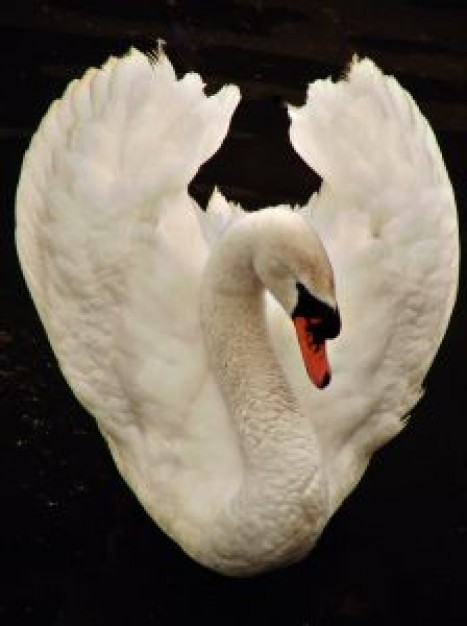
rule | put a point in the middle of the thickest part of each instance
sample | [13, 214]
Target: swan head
[315, 321]
[293, 265]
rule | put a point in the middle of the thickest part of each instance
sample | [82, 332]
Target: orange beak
[313, 353]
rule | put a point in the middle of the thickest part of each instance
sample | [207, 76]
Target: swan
[242, 367]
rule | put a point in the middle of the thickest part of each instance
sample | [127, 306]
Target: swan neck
[282, 488]
[254, 387]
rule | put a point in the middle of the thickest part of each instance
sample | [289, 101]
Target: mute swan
[173, 326]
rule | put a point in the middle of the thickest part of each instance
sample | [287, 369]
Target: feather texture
[114, 250]
[387, 217]
[110, 245]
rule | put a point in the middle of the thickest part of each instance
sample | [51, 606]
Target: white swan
[159, 319]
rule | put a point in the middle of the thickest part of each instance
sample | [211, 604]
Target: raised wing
[111, 247]
[387, 216]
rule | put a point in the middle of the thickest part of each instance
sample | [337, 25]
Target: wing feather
[112, 251]
[387, 216]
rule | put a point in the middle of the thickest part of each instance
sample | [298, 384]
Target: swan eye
[315, 321]
[315, 327]
[322, 320]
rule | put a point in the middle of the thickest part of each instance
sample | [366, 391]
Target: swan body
[174, 326]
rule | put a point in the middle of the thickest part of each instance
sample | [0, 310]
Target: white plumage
[149, 303]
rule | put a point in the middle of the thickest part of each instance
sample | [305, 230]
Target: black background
[76, 548]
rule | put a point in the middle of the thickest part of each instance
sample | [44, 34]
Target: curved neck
[280, 506]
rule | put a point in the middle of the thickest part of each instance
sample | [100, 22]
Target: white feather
[387, 217]
[114, 249]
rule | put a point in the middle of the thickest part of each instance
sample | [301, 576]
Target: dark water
[75, 546]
